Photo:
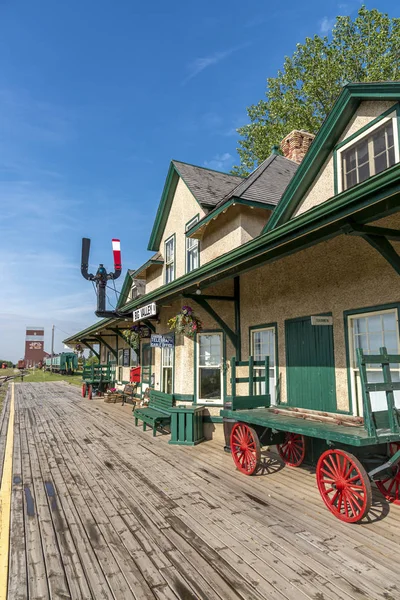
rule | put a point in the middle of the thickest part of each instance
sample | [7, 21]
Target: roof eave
[344, 108]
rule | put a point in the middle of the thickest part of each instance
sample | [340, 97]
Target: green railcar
[65, 363]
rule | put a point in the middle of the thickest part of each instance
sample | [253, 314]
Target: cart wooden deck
[331, 432]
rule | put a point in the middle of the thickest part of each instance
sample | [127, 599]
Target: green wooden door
[146, 365]
[310, 365]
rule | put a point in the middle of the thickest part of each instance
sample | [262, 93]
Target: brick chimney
[296, 143]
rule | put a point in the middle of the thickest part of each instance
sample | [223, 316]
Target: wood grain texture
[102, 510]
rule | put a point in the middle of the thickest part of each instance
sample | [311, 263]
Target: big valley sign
[150, 310]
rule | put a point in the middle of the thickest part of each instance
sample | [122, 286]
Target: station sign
[161, 341]
[144, 312]
[319, 320]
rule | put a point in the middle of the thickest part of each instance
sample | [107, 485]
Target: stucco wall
[323, 186]
[230, 230]
[185, 347]
[184, 207]
[341, 274]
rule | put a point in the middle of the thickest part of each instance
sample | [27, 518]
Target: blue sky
[95, 99]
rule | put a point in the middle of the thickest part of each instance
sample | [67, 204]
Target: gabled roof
[262, 188]
[207, 186]
[268, 182]
[326, 139]
[131, 274]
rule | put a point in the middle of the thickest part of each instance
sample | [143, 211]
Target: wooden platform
[102, 510]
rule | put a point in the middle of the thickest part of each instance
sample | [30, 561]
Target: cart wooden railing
[251, 400]
[386, 419]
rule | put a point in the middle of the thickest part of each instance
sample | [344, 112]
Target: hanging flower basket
[132, 336]
[185, 322]
[78, 348]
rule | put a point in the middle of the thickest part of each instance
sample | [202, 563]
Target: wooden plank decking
[102, 510]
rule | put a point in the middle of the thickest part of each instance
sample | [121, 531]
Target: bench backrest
[161, 400]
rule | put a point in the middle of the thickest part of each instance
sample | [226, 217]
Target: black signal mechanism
[101, 276]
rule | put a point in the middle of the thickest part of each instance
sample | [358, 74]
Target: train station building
[299, 262]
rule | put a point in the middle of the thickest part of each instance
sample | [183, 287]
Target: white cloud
[326, 25]
[220, 162]
[200, 64]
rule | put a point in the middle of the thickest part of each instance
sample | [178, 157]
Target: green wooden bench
[157, 413]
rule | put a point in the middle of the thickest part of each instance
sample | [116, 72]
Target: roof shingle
[208, 186]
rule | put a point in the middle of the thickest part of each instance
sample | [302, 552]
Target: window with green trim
[192, 248]
[372, 152]
[371, 331]
[170, 260]
[167, 366]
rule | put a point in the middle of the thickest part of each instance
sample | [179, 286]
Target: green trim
[219, 320]
[336, 151]
[224, 369]
[173, 366]
[344, 108]
[124, 290]
[99, 325]
[111, 349]
[91, 348]
[311, 227]
[273, 325]
[164, 206]
[146, 265]
[301, 318]
[238, 330]
[198, 244]
[358, 311]
[231, 202]
[353, 136]
[184, 397]
[173, 236]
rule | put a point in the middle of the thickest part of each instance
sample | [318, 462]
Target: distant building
[34, 346]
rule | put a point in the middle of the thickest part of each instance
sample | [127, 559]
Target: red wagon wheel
[90, 391]
[83, 390]
[344, 485]
[293, 449]
[390, 486]
[245, 447]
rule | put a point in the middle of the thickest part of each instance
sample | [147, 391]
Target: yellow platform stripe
[5, 502]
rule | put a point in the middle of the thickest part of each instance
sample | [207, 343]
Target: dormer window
[369, 153]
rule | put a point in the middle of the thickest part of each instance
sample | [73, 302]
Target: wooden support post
[219, 320]
[236, 288]
[91, 348]
[111, 349]
[233, 376]
[251, 381]
[267, 390]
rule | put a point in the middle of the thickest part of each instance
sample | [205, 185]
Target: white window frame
[207, 401]
[164, 367]
[365, 134]
[192, 244]
[354, 371]
[170, 263]
[257, 370]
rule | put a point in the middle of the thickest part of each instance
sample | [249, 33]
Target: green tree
[303, 92]
[92, 360]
